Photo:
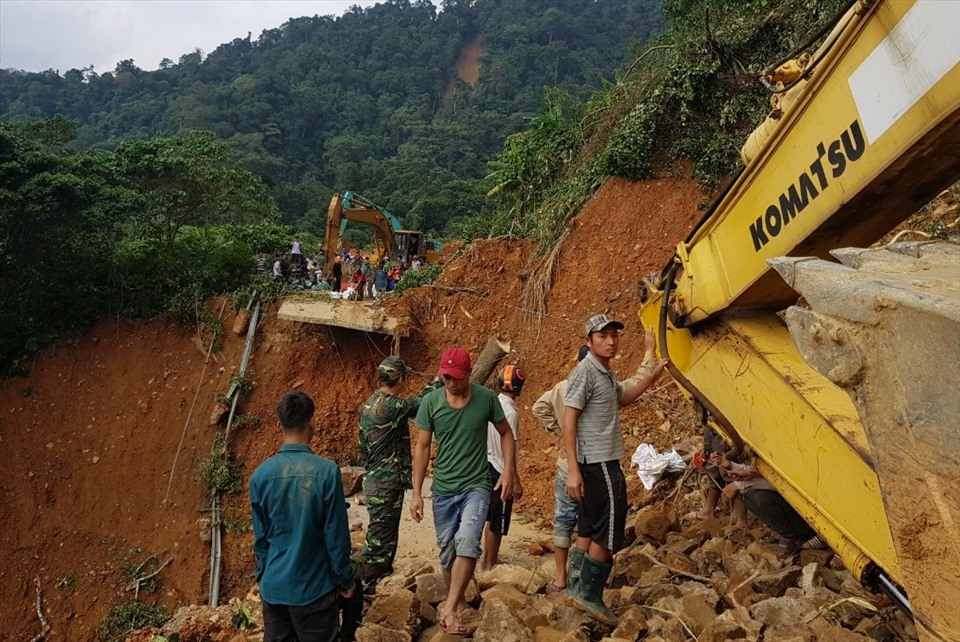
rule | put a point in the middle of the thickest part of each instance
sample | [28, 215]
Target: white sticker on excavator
[914, 56]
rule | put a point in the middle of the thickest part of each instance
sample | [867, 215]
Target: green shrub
[221, 471]
[130, 616]
[411, 279]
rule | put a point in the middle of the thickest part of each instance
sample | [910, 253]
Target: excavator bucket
[884, 324]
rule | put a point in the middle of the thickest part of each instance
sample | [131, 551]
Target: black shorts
[602, 515]
[499, 513]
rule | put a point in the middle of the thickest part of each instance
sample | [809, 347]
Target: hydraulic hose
[702, 399]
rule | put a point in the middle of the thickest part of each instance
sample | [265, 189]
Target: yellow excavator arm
[359, 211]
[390, 240]
[862, 141]
[866, 131]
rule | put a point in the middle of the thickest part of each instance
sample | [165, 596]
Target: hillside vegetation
[370, 101]
[689, 99]
[96, 217]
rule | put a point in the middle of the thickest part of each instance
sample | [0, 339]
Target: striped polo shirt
[594, 391]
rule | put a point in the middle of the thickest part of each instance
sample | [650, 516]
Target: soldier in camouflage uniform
[385, 453]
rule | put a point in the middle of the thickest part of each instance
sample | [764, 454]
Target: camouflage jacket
[385, 436]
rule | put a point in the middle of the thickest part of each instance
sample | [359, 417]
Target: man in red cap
[458, 415]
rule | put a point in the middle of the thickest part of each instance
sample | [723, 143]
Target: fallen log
[493, 353]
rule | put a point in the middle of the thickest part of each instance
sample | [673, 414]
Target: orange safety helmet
[511, 379]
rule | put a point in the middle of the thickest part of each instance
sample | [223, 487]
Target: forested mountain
[369, 101]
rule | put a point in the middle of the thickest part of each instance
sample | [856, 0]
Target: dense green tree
[184, 180]
[155, 227]
[335, 98]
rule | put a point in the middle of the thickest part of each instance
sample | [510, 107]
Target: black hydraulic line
[718, 416]
[894, 592]
[878, 581]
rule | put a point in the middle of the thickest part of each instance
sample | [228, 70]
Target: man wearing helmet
[385, 453]
[509, 383]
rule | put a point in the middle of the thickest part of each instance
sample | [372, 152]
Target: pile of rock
[675, 583]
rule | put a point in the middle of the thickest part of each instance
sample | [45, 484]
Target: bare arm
[633, 393]
[648, 372]
[574, 480]
[648, 362]
[509, 483]
[421, 456]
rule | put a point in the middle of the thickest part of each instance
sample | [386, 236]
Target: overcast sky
[36, 35]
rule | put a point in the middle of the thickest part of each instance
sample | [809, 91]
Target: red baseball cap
[455, 362]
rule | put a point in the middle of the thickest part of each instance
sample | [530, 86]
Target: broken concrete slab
[354, 315]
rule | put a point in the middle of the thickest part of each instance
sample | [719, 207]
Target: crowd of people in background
[353, 274]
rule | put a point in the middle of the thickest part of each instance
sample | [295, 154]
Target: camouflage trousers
[384, 505]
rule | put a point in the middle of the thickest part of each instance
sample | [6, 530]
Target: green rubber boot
[573, 571]
[593, 577]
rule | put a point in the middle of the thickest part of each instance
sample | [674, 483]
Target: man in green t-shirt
[457, 415]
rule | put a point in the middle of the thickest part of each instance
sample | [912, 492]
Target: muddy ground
[89, 439]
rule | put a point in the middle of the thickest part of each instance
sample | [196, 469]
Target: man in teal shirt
[457, 415]
[301, 536]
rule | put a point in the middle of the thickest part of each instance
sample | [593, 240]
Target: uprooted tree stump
[493, 353]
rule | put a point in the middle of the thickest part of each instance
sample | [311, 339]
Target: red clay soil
[89, 436]
[468, 67]
[468, 64]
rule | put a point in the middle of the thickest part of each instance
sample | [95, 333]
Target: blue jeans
[458, 520]
[564, 511]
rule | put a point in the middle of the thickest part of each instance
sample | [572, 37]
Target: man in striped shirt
[593, 443]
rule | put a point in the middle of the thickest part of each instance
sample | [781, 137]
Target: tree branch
[44, 624]
[135, 585]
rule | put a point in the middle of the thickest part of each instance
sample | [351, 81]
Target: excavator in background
[848, 398]
[390, 239]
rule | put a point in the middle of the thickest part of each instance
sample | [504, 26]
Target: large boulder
[499, 624]
[679, 561]
[399, 611]
[709, 557]
[631, 624]
[352, 478]
[721, 632]
[651, 524]
[431, 588]
[547, 634]
[781, 610]
[694, 609]
[527, 580]
[630, 567]
[508, 594]
[776, 583]
[371, 632]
